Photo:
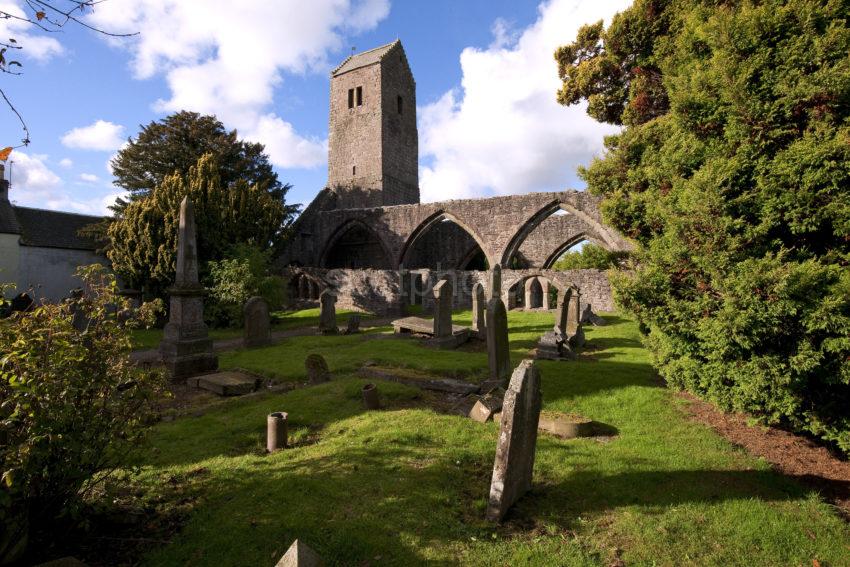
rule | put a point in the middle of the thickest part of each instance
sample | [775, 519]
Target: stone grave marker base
[229, 383]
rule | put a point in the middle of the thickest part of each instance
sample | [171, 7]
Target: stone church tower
[373, 145]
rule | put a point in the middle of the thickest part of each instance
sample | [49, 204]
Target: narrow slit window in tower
[350, 98]
[400, 104]
[359, 96]
[353, 170]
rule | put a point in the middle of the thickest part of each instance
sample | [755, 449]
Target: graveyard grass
[408, 485]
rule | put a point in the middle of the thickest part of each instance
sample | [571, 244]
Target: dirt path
[790, 454]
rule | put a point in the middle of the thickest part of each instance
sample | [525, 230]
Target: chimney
[4, 184]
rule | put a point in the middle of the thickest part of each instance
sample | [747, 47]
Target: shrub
[73, 406]
[234, 280]
[731, 175]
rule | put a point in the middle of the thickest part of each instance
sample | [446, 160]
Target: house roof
[53, 229]
[364, 59]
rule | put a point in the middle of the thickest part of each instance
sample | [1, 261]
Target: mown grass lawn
[408, 486]
[144, 339]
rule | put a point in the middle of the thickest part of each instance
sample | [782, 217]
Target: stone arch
[428, 223]
[514, 288]
[545, 212]
[566, 245]
[328, 254]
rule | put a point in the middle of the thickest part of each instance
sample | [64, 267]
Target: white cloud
[66, 163]
[89, 177]
[34, 43]
[102, 136]
[503, 132]
[35, 185]
[226, 59]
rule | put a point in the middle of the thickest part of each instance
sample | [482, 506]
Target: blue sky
[488, 122]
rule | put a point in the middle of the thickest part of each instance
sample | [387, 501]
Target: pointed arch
[542, 214]
[368, 259]
[566, 245]
[427, 224]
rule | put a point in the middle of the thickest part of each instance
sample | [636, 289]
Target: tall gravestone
[479, 307]
[327, 315]
[443, 309]
[575, 334]
[498, 348]
[553, 345]
[514, 464]
[257, 323]
[495, 282]
[186, 348]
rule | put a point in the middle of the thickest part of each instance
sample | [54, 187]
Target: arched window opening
[444, 245]
[357, 247]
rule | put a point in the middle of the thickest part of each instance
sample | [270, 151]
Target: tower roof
[364, 59]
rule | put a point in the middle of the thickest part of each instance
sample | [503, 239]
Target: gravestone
[515, 449]
[353, 325]
[495, 282]
[257, 323]
[327, 316]
[575, 334]
[479, 306]
[588, 316]
[186, 348]
[498, 349]
[317, 369]
[300, 555]
[443, 309]
[554, 344]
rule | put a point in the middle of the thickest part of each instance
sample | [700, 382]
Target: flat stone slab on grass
[421, 326]
[569, 426]
[228, 383]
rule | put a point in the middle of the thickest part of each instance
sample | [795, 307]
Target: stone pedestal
[186, 348]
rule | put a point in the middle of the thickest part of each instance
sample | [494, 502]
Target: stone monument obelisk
[186, 348]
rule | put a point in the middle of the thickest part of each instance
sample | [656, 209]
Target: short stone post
[498, 349]
[515, 449]
[276, 431]
[327, 315]
[370, 397]
[495, 282]
[443, 309]
[479, 307]
[257, 323]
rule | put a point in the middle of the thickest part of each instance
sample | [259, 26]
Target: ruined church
[368, 236]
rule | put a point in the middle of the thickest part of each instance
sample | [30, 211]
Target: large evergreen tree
[177, 142]
[732, 173]
[143, 239]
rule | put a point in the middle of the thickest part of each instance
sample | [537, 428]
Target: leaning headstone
[514, 464]
[554, 344]
[495, 282]
[479, 306]
[186, 348]
[498, 349]
[353, 325]
[443, 309]
[317, 369]
[486, 406]
[300, 555]
[257, 323]
[327, 316]
[575, 334]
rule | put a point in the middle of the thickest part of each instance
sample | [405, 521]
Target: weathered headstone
[553, 345]
[486, 406]
[498, 349]
[588, 316]
[257, 323]
[443, 309]
[317, 369]
[186, 348]
[575, 334]
[495, 282]
[562, 311]
[353, 325]
[514, 464]
[327, 315]
[479, 307]
[300, 555]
